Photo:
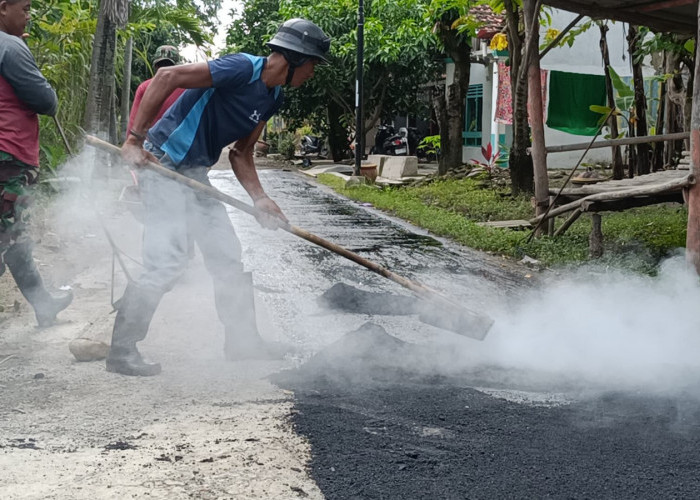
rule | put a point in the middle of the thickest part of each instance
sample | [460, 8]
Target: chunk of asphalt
[358, 357]
[348, 298]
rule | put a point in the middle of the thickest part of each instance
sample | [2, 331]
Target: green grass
[636, 239]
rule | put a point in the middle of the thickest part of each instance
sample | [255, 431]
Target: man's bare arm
[243, 166]
[187, 76]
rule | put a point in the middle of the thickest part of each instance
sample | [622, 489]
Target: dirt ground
[205, 428]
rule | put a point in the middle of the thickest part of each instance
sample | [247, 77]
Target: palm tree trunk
[674, 111]
[455, 102]
[101, 87]
[126, 88]
[519, 161]
[658, 154]
[112, 14]
[531, 14]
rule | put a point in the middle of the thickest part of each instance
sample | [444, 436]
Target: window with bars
[472, 117]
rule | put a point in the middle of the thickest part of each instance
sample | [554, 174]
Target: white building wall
[583, 57]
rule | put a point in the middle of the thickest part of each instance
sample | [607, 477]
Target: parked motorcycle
[387, 142]
[397, 144]
[413, 140]
[311, 145]
[381, 135]
[403, 143]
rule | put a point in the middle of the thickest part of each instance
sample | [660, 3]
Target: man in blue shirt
[228, 101]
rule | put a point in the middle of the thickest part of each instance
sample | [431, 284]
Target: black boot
[19, 260]
[236, 308]
[127, 360]
[135, 311]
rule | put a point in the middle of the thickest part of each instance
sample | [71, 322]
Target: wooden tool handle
[479, 322]
[230, 200]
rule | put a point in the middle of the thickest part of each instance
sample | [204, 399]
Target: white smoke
[606, 327]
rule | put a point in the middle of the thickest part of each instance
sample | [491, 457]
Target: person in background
[24, 93]
[166, 55]
[228, 100]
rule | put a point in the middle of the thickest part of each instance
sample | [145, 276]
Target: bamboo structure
[679, 16]
[585, 202]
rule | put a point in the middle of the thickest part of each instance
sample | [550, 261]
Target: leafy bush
[287, 146]
[52, 155]
[430, 145]
[283, 143]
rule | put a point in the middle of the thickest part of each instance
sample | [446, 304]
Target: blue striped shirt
[203, 121]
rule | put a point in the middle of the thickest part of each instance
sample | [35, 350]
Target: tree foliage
[62, 37]
[254, 23]
[399, 58]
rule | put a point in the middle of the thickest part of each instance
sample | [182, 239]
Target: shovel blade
[456, 319]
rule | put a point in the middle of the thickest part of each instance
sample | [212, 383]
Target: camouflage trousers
[15, 179]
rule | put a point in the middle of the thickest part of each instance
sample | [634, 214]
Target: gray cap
[303, 37]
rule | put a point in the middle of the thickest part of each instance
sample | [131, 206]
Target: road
[370, 405]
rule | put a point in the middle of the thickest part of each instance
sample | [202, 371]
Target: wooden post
[550, 221]
[618, 169]
[534, 106]
[595, 240]
[692, 244]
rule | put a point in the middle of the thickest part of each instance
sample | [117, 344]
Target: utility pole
[359, 123]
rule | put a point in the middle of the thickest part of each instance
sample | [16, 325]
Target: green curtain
[570, 98]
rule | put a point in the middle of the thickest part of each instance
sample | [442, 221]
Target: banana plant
[624, 103]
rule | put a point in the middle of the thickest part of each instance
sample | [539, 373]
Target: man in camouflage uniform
[24, 92]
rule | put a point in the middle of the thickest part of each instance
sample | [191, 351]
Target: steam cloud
[606, 327]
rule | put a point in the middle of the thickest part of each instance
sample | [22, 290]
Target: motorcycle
[389, 143]
[413, 140]
[397, 144]
[381, 135]
[311, 145]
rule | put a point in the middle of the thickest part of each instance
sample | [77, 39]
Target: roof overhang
[678, 16]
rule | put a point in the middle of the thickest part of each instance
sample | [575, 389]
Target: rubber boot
[236, 307]
[134, 314]
[20, 262]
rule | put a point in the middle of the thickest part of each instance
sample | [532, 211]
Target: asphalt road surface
[392, 410]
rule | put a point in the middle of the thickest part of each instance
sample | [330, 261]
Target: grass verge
[636, 239]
